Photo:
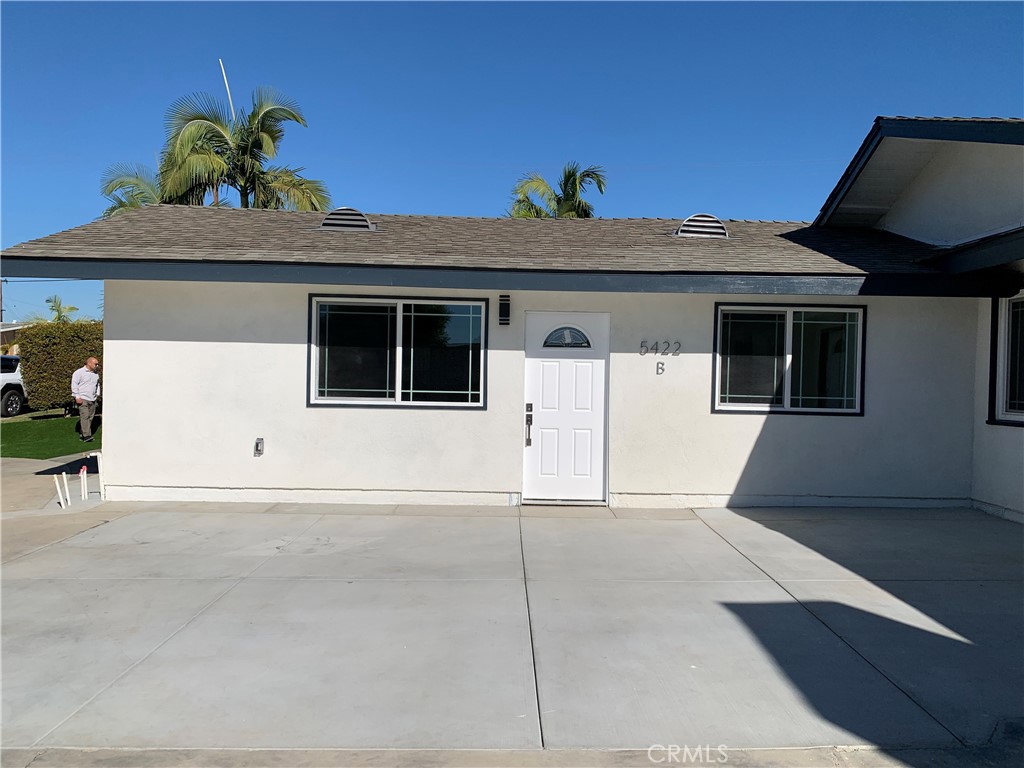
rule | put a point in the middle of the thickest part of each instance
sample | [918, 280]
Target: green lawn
[43, 436]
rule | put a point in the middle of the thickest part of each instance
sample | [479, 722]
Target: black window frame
[785, 409]
[312, 347]
[999, 363]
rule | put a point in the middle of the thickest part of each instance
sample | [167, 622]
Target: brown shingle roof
[186, 233]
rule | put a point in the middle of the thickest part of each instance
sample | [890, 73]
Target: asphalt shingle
[191, 233]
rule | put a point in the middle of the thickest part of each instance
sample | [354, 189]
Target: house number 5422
[660, 347]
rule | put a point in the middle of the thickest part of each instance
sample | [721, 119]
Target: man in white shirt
[85, 388]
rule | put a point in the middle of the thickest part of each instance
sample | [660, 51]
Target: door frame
[606, 383]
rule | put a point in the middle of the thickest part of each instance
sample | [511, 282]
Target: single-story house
[870, 357]
[9, 332]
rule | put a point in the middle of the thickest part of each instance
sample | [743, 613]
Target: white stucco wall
[966, 191]
[195, 372]
[998, 450]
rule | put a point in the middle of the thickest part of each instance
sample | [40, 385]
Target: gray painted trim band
[996, 251]
[508, 280]
[982, 132]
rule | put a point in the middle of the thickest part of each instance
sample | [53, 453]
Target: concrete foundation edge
[309, 496]
[512, 499]
[692, 500]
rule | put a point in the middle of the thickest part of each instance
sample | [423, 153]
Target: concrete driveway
[175, 627]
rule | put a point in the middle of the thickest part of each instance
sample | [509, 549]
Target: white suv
[12, 395]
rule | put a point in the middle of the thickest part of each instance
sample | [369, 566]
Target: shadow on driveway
[942, 616]
[73, 466]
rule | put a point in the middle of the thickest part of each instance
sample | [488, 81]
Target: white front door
[566, 362]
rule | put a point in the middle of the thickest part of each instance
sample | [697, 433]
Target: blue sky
[743, 110]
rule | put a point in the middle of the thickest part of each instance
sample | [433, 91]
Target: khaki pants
[85, 413]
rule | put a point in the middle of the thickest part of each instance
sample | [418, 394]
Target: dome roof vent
[702, 225]
[347, 220]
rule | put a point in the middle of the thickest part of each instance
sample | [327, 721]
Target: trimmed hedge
[50, 353]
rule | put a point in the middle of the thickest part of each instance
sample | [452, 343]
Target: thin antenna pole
[228, 89]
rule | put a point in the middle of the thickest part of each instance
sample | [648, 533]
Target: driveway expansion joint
[842, 639]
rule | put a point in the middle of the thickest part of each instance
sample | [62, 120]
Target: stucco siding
[967, 191]
[998, 450]
[195, 372]
[665, 439]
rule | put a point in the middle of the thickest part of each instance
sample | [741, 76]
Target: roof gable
[892, 155]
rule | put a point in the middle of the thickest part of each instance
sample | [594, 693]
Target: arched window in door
[567, 337]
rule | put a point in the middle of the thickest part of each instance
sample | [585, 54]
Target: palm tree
[566, 203]
[207, 149]
[61, 312]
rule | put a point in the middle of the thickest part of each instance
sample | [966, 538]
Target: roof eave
[916, 283]
[860, 159]
[980, 131]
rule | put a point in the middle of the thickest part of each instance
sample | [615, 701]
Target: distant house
[9, 332]
[872, 357]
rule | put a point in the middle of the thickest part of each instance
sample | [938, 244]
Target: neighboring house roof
[894, 152]
[164, 233]
[5, 327]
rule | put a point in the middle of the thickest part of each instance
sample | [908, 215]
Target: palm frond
[132, 179]
[572, 186]
[197, 121]
[186, 181]
[262, 128]
[525, 208]
[61, 312]
[197, 107]
[267, 143]
[269, 105]
[529, 186]
[286, 188]
[119, 204]
[595, 174]
[569, 183]
[124, 201]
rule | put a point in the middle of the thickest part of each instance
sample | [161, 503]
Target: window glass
[1015, 357]
[567, 337]
[753, 357]
[441, 348]
[824, 360]
[790, 359]
[8, 364]
[357, 350]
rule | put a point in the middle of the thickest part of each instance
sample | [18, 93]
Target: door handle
[529, 423]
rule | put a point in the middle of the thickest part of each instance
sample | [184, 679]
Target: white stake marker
[60, 499]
